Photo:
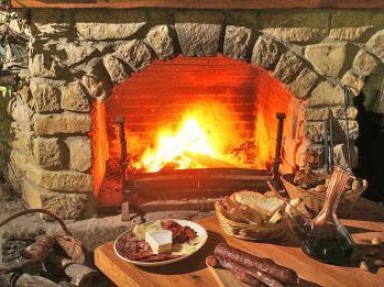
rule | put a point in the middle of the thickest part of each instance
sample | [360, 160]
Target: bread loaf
[266, 206]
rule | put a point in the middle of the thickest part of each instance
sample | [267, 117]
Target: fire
[208, 137]
[175, 148]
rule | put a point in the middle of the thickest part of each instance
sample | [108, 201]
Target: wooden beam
[200, 4]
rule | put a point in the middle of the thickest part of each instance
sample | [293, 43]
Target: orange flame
[203, 131]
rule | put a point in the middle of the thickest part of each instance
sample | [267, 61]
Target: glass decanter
[327, 240]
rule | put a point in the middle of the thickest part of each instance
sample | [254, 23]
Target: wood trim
[200, 4]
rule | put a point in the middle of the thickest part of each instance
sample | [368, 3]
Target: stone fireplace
[89, 68]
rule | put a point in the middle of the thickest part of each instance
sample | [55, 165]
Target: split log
[81, 275]
[25, 266]
[69, 246]
[40, 249]
[25, 280]
[67, 243]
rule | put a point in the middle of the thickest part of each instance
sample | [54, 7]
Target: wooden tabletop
[193, 273]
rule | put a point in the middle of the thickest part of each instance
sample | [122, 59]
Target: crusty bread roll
[265, 205]
[238, 212]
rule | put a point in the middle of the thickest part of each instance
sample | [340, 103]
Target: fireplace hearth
[97, 77]
[185, 125]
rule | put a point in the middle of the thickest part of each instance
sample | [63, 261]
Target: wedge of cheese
[160, 241]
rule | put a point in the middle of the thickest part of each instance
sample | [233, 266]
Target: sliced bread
[265, 205]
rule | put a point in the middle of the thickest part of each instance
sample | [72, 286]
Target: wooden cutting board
[225, 278]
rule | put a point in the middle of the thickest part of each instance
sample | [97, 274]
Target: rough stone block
[25, 93]
[199, 32]
[354, 24]
[236, 42]
[341, 157]
[67, 181]
[80, 153]
[20, 111]
[349, 33]
[48, 152]
[19, 158]
[353, 81]
[294, 18]
[63, 123]
[135, 53]
[22, 135]
[325, 94]
[42, 65]
[327, 58]
[74, 98]
[73, 206]
[161, 38]
[303, 83]
[364, 64]
[51, 23]
[96, 87]
[322, 114]
[110, 24]
[353, 129]
[46, 94]
[116, 69]
[376, 44]
[266, 53]
[70, 54]
[288, 67]
[315, 131]
[297, 34]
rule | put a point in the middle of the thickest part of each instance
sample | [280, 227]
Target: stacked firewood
[50, 261]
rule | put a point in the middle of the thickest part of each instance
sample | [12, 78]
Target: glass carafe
[327, 239]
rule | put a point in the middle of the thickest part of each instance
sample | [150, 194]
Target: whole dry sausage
[251, 262]
[238, 269]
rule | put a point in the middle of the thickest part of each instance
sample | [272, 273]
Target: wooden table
[193, 273]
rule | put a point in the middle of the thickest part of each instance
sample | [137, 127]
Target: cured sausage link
[251, 275]
[237, 270]
[252, 262]
[249, 280]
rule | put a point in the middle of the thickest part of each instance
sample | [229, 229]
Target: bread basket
[315, 201]
[256, 232]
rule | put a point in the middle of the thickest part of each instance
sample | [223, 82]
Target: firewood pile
[52, 261]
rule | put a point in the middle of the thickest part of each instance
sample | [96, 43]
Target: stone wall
[77, 56]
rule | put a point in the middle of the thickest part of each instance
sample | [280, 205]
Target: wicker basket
[256, 232]
[315, 201]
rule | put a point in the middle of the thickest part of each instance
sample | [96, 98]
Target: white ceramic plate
[196, 227]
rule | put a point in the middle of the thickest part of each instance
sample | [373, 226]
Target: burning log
[207, 161]
[80, 274]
